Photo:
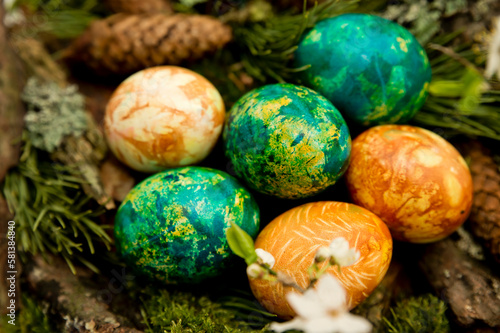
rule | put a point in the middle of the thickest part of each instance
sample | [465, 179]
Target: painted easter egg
[163, 117]
[294, 237]
[171, 227]
[373, 70]
[287, 141]
[413, 179]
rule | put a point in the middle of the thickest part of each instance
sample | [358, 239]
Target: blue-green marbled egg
[171, 226]
[287, 141]
[372, 69]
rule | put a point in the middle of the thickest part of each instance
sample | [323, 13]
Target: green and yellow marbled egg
[373, 70]
[171, 226]
[287, 141]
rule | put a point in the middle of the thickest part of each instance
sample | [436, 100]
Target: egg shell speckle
[413, 179]
[163, 117]
[287, 141]
[171, 227]
[373, 70]
[294, 237]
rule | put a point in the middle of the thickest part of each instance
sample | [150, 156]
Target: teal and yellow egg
[287, 141]
[372, 69]
[171, 227]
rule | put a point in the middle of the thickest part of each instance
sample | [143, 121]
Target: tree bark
[11, 107]
[76, 299]
[471, 289]
[11, 126]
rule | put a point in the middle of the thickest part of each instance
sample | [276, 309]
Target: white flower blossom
[323, 254]
[493, 61]
[323, 310]
[342, 253]
[255, 271]
[266, 257]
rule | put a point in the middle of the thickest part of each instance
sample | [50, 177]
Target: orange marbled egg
[294, 237]
[413, 179]
[163, 117]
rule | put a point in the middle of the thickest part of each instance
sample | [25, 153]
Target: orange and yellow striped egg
[294, 237]
[163, 117]
[413, 179]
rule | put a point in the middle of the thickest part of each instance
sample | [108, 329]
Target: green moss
[418, 315]
[174, 312]
[30, 319]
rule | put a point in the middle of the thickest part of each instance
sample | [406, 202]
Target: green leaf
[446, 88]
[241, 243]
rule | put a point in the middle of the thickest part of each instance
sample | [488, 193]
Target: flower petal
[331, 293]
[323, 253]
[296, 323]
[339, 245]
[307, 305]
[349, 258]
[266, 257]
[342, 253]
[255, 271]
[349, 323]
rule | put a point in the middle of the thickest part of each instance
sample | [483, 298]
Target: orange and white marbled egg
[413, 179]
[163, 117]
[294, 237]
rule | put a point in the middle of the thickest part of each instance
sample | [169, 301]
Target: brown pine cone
[140, 6]
[485, 213]
[123, 44]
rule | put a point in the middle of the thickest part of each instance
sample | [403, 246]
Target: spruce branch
[50, 209]
[267, 46]
[461, 100]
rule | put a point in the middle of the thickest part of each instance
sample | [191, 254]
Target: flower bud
[265, 257]
[255, 271]
[322, 254]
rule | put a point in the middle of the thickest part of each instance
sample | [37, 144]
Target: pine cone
[485, 213]
[140, 6]
[123, 44]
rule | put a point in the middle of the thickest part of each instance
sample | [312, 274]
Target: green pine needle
[61, 18]
[267, 46]
[50, 210]
[461, 100]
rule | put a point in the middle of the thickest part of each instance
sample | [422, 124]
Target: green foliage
[61, 18]
[187, 5]
[460, 100]
[53, 113]
[266, 46]
[183, 312]
[245, 306]
[49, 209]
[241, 243]
[30, 319]
[421, 314]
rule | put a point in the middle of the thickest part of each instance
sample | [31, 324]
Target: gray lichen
[53, 113]
[422, 17]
